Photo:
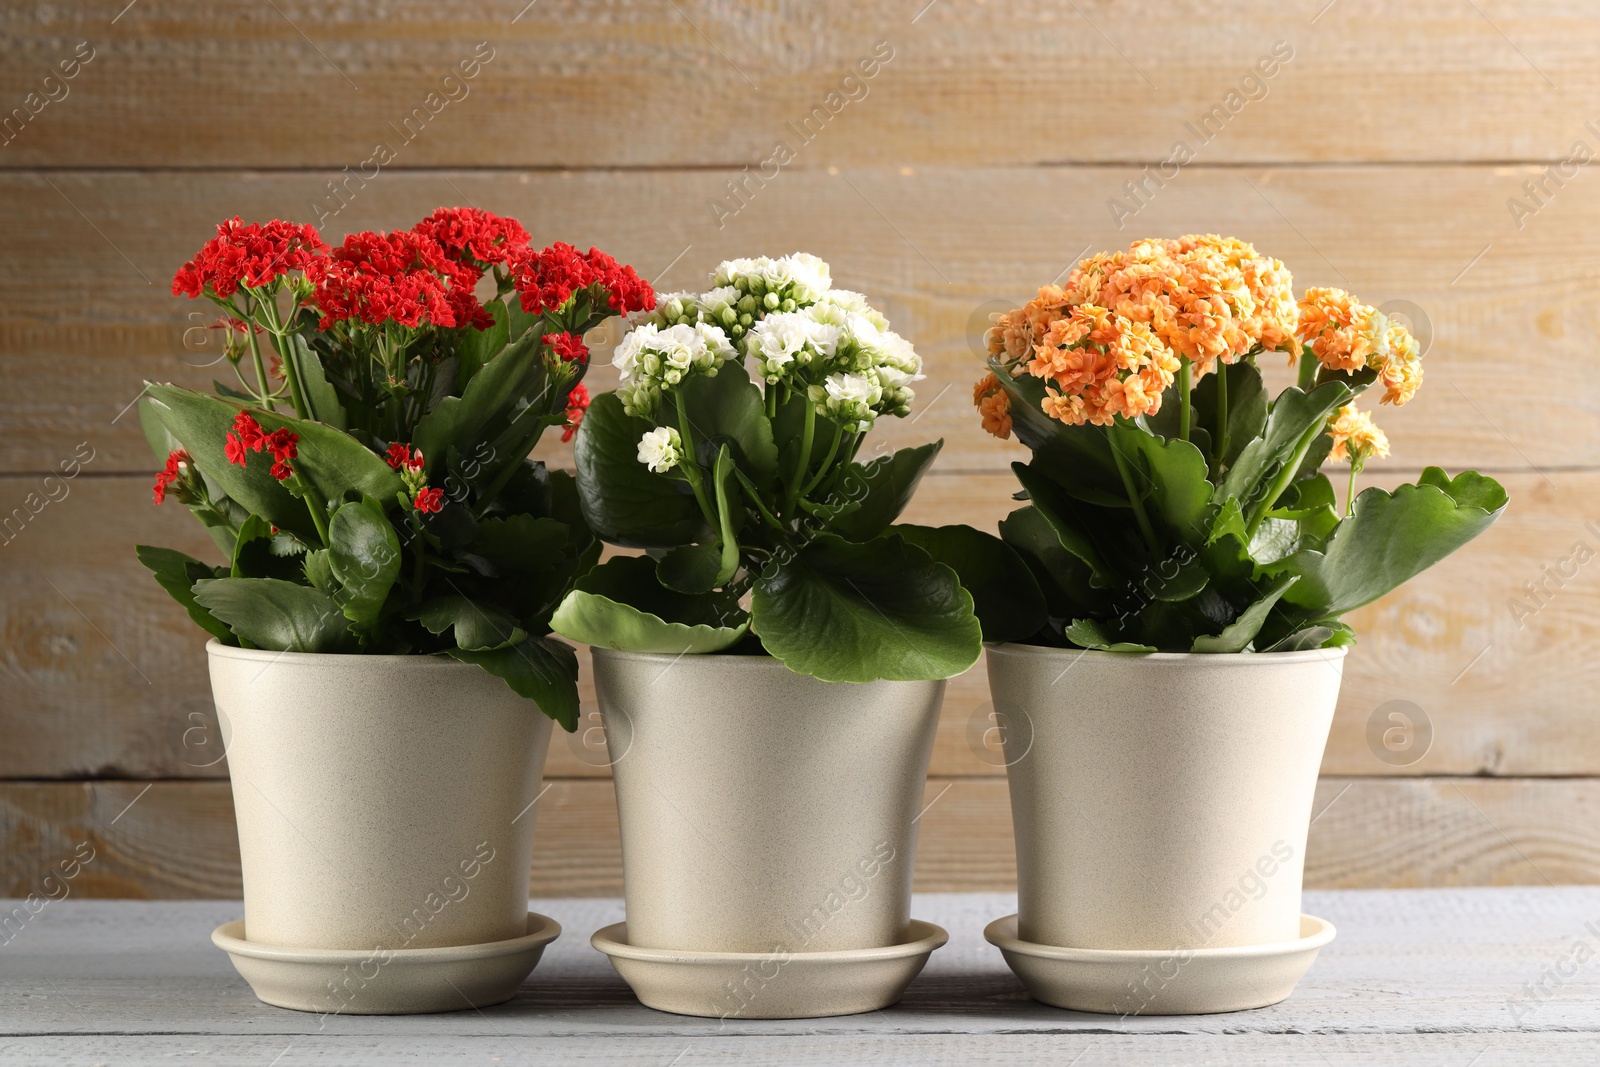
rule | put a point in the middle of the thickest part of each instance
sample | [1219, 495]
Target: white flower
[626, 357]
[660, 449]
[809, 275]
[851, 389]
[778, 339]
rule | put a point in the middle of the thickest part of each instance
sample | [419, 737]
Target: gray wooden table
[1460, 977]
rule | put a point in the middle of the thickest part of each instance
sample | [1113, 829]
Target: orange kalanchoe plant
[1172, 505]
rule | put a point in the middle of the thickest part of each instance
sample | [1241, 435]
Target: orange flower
[1100, 364]
[1356, 438]
[994, 406]
[1347, 335]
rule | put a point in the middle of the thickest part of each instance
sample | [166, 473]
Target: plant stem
[755, 498]
[1219, 447]
[318, 509]
[261, 369]
[822, 470]
[1281, 482]
[1183, 399]
[802, 461]
[1350, 492]
[286, 354]
[1136, 500]
[691, 469]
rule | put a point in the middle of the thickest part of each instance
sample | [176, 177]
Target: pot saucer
[770, 985]
[381, 981]
[1160, 981]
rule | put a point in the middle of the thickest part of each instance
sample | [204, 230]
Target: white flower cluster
[660, 449]
[828, 344]
[653, 359]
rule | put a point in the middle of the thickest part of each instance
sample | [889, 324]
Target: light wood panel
[176, 839]
[104, 676]
[299, 83]
[939, 250]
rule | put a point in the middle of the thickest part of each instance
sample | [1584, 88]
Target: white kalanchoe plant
[739, 486]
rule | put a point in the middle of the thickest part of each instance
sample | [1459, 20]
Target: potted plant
[380, 652]
[1186, 566]
[770, 671]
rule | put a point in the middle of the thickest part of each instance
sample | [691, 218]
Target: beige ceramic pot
[761, 808]
[384, 803]
[1161, 802]
[769, 826]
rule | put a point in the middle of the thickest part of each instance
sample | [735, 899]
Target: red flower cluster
[571, 349]
[401, 456]
[171, 473]
[546, 280]
[429, 500]
[250, 254]
[400, 277]
[577, 406]
[248, 436]
[473, 236]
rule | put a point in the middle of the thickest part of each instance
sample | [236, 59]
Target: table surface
[1460, 977]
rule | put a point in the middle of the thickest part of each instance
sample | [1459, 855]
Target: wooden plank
[105, 677]
[938, 249]
[653, 83]
[176, 839]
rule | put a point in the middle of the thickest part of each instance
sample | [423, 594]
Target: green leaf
[1467, 489]
[1083, 450]
[1392, 537]
[274, 614]
[726, 409]
[320, 395]
[1086, 633]
[620, 604]
[856, 612]
[622, 500]
[1005, 597]
[1063, 578]
[1237, 635]
[476, 626]
[364, 555]
[1170, 476]
[477, 346]
[199, 424]
[255, 553]
[1327, 634]
[542, 669]
[177, 573]
[1295, 419]
[884, 487]
[486, 405]
[1070, 520]
[337, 465]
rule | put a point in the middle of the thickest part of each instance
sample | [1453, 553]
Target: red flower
[400, 277]
[577, 406]
[400, 455]
[249, 430]
[171, 473]
[248, 436]
[571, 349]
[429, 500]
[251, 254]
[546, 280]
[470, 235]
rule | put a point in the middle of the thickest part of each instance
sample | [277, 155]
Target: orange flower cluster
[1110, 339]
[1347, 335]
[994, 406]
[1356, 438]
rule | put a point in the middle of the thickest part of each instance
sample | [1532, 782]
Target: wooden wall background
[978, 164]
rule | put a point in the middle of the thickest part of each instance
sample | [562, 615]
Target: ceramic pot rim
[1001, 933]
[437, 661]
[1173, 659]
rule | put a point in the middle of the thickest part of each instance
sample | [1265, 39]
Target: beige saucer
[770, 985]
[387, 981]
[1160, 981]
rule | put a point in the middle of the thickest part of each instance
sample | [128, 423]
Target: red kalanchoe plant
[548, 279]
[395, 510]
